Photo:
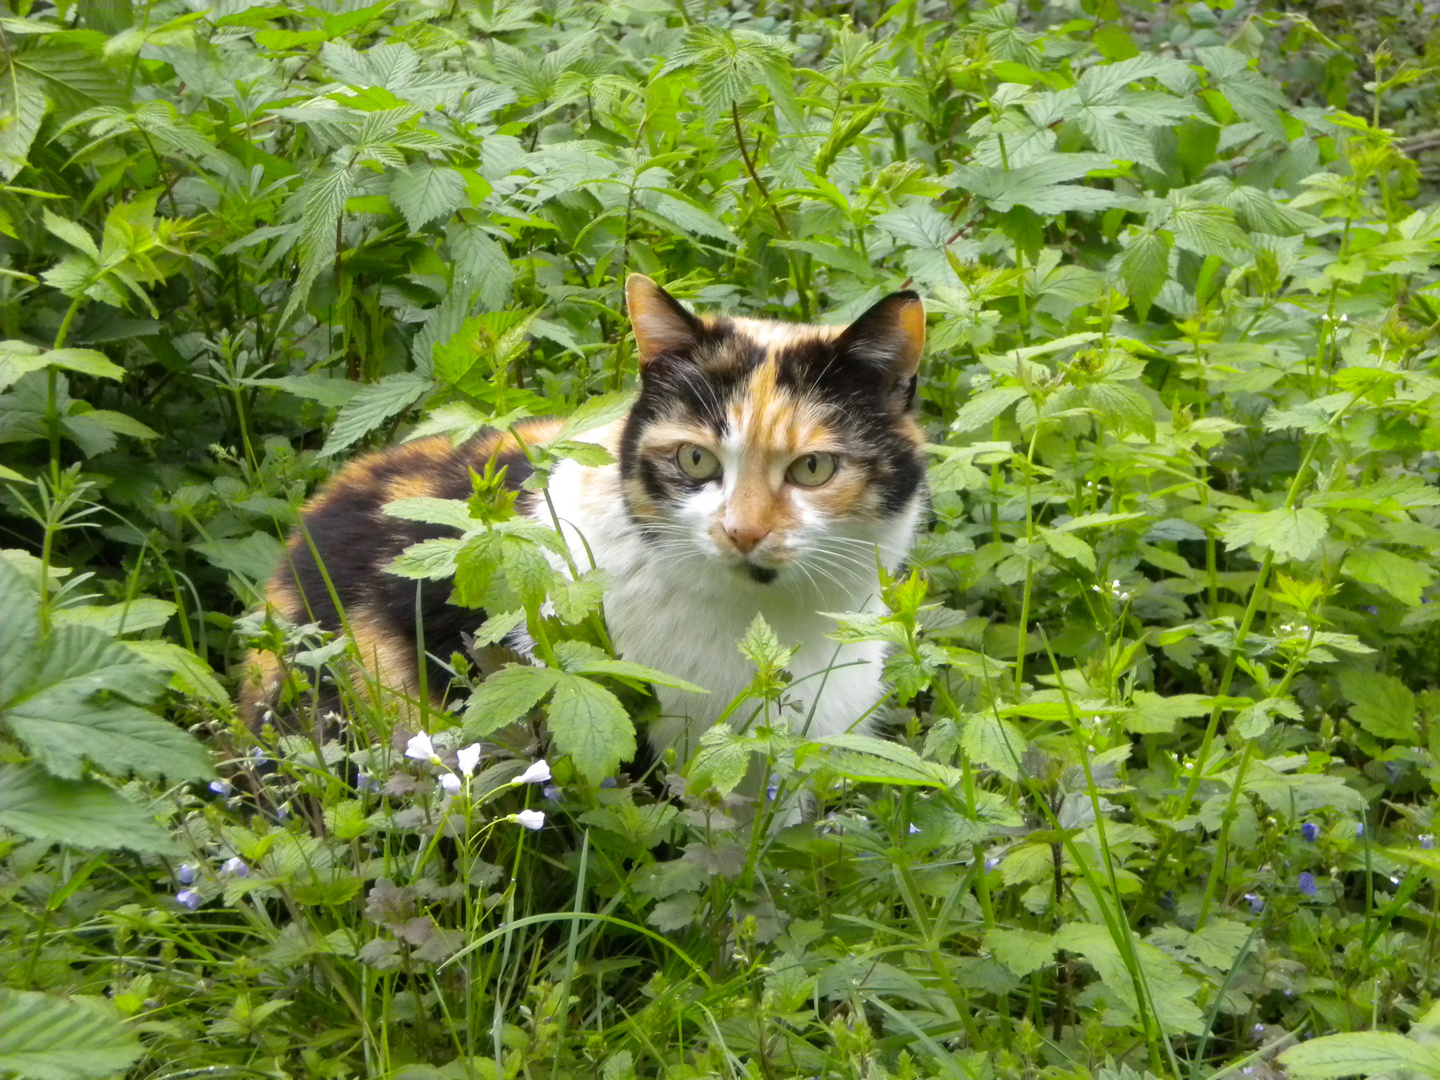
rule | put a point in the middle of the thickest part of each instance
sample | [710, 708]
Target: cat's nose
[747, 536]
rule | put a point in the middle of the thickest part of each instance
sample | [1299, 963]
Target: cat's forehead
[768, 336]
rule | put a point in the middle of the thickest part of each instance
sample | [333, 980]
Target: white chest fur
[673, 608]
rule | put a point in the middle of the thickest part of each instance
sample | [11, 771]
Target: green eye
[812, 470]
[697, 463]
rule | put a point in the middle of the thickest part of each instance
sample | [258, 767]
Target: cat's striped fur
[764, 467]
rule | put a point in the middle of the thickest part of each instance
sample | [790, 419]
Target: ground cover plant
[1159, 795]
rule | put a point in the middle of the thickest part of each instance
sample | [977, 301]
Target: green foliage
[1162, 772]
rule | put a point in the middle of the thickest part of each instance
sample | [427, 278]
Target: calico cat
[764, 467]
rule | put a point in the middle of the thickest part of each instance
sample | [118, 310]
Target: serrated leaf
[1360, 1053]
[595, 413]
[82, 813]
[1207, 229]
[721, 759]
[142, 613]
[1144, 266]
[995, 742]
[1068, 546]
[626, 670]
[325, 389]
[424, 193]
[1404, 579]
[589, 724]
[866, 758]
[1022, 951]
[985, 407]
[1150, 713]
[1290, 534]
[371, 406]
[58, 712]
[454, 513]
[72, 1038]
[189, 674]
[1168, 987]
[1380, 703]
[505, 697]
[24, 103]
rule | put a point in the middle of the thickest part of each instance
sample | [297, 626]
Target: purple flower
[991, 862]
[366, 782]
[1359, 828]
[1310, 831]
[914, 828]
[221, 787]
[772, 791]
[1306, 883]
[551, 793]
[235, 867]
[188, 898]
[1257, 902]
[1427, 841]
[186, 874]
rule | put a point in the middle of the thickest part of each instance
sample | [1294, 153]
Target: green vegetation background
[1160, 798]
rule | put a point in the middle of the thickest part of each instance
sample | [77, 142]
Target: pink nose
[747, 536]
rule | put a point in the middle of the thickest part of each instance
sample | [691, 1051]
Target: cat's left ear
[890, 336]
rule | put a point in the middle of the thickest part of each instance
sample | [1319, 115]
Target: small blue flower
[1392, 772]
[1256, 901]
[991, 862]
[1427, 841]
[366, 782]
[551, 793]
[186, 874]
[1310, 831]
[221, 787]
[914, 828]
[235, 867]
[608, 782]
[772, 791]
[188, 898]
[1359, 828]
[1306, 883]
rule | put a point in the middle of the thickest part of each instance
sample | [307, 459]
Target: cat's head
[775, 447]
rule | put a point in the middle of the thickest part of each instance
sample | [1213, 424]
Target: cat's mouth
[763, 574]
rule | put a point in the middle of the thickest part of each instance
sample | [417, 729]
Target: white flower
[450, 783]
[531, 819]
[537, 773]
[422, 749]
[469, 757]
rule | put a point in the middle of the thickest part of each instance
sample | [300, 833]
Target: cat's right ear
[661, 324]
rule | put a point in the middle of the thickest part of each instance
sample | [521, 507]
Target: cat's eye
[697, 463]
[812, 470]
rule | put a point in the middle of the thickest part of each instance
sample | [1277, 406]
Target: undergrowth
[1159, 794]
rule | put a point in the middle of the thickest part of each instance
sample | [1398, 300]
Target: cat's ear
[661, 324]
[889, 336]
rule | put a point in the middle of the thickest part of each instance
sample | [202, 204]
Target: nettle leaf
[1206, 229]
[866, 758]
[995, 742]
[70, 1038]
[1022, 951]
[505, 697]
[1152, 713]
[69, 709]
[1290, 534]
[984, 407]
[1404, 579]
[1361, 1053]
[1381, 704]
[1144, 266]
[1168, 987]
[721, 759]
[1041, 186]
[371, 406]
[424, 193]
[322, 201]
[19, 358]
[588, 723]
[81, 813]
